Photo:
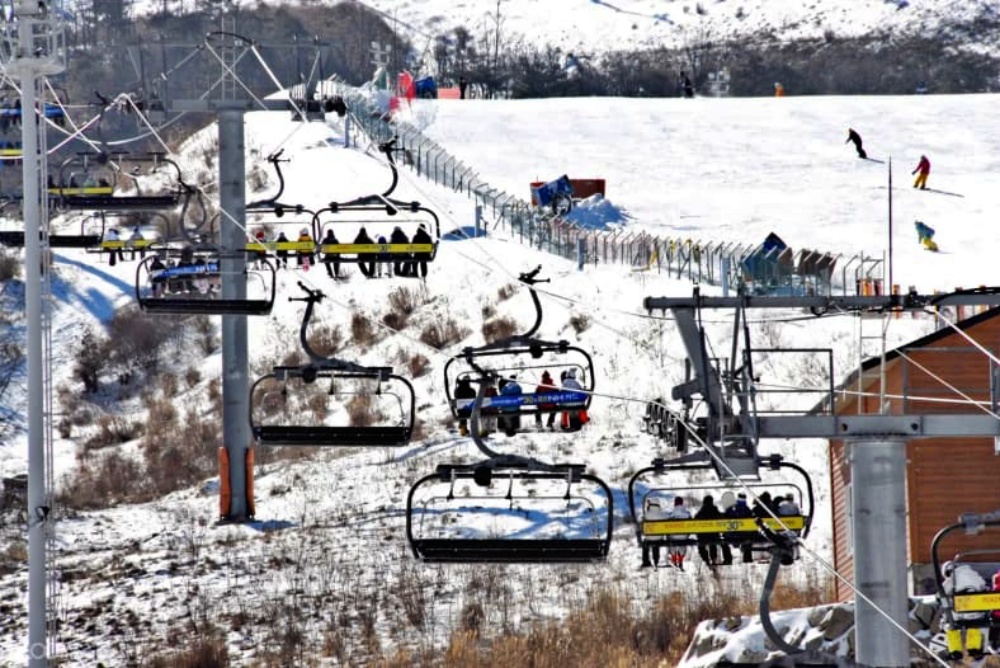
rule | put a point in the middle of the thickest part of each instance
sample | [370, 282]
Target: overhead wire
[493, 260]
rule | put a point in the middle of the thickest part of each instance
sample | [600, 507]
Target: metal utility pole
[235, 375]
[230, 106]
[36, 50]
[876, 445]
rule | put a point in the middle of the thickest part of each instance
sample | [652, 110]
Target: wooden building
[938, 373]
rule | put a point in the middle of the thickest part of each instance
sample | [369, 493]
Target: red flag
[406, 86]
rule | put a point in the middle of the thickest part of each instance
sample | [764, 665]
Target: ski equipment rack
[400, 395]
[522, 346]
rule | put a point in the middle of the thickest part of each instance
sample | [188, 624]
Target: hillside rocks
[823, 632]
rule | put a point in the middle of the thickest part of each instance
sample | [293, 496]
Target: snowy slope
[330, 530]
[591, 26]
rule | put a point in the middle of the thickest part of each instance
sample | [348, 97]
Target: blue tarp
[763, 263]
[462, 233]
[547, 192]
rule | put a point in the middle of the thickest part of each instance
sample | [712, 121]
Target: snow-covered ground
[327, 553]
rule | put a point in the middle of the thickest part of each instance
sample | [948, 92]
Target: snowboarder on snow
[925, 235]
[922, 171]
[853, 136]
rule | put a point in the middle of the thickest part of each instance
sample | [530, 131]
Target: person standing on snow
[922, 171]
[853, 136]
[687, 88]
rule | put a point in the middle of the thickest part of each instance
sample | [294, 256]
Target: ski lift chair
[388, 431]
[515, 355]
[193, 285]
[746, 532]
[584, 537]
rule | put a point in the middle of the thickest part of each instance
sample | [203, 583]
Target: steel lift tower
[876, 446]
[34, 48]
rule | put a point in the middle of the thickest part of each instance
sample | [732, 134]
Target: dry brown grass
[112, 430]
[326, 341]
[440, 335]
[499, 328]
[364, 333]
[609, 631]
[579, 322]
[507, 291]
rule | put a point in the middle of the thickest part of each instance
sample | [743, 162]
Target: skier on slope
[853, 136]
[922, 171]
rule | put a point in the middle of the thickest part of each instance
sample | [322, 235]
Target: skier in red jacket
[922, 171]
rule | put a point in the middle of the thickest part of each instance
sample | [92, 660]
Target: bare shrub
[202, 651]
[293, 358]
[258, 178]
[113, 430]
[317, 407]
[207, 337]
[499, 328]
[10, 266]
[215, 395]
[182, 456]
[363, 330]
[325, 341]
[192, 377]
[361, 411]
[579, 322]
[138, 341]
[395, 321]
[102, 481]
[419, 432]
[507, 291]
[488, 310]
[168, 384]
[417, 365]
[406, 301]
[440, 335]
[90, 361]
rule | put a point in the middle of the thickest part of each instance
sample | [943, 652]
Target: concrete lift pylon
[876, 448]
